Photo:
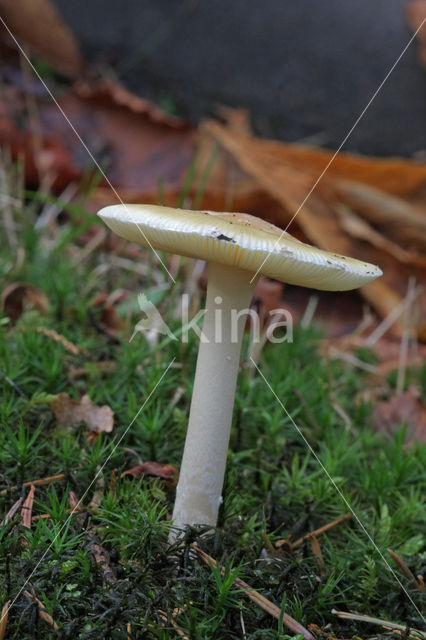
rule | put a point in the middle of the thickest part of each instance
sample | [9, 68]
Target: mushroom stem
[199, 491]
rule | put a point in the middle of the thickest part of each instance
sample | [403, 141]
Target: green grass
[275, 485]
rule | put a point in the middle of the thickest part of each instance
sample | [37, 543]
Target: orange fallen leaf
[19, 296]
[393, 175]
[139, 145]
[68, 411]
[165, 471]
[289, 173]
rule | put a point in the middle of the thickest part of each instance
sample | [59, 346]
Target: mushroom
[237, 247]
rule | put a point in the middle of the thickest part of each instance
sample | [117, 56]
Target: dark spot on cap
[223, 237]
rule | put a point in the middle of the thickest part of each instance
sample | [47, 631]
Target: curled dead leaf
[20, 296]
[156, 469]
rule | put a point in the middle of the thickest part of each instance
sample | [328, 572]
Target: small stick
[346, 615]
[57, 337]
[417, 584]
[163, 615]
[317, 532]
[37, 483]
[260, 600]
[12, 384]
[42, 610]
[3, 619]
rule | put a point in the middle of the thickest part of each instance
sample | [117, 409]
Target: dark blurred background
[305, 70]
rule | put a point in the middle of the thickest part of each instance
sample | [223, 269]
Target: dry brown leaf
[138, 147]
[20, 296]
[139, 144]
[393, 175]
[37, 24]
[108, 91]
[103, 559]
[27, 508]
[74, 503]
[109, 317]
[407, 408]
[156, 469]
[68, 412]
[415, 12]
[268, 163]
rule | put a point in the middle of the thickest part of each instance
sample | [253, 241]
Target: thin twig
[9, 515]
[4, 618]
[259, 599]
[407, 572]
[42, 610]
[163, 615]
[12, 384]
[412, 633]
[37, 483]
[317, 532]
[57, 337]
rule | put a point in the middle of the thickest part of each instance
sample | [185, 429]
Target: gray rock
[304, 69]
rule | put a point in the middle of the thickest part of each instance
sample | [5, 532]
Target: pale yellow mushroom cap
[237, 239]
